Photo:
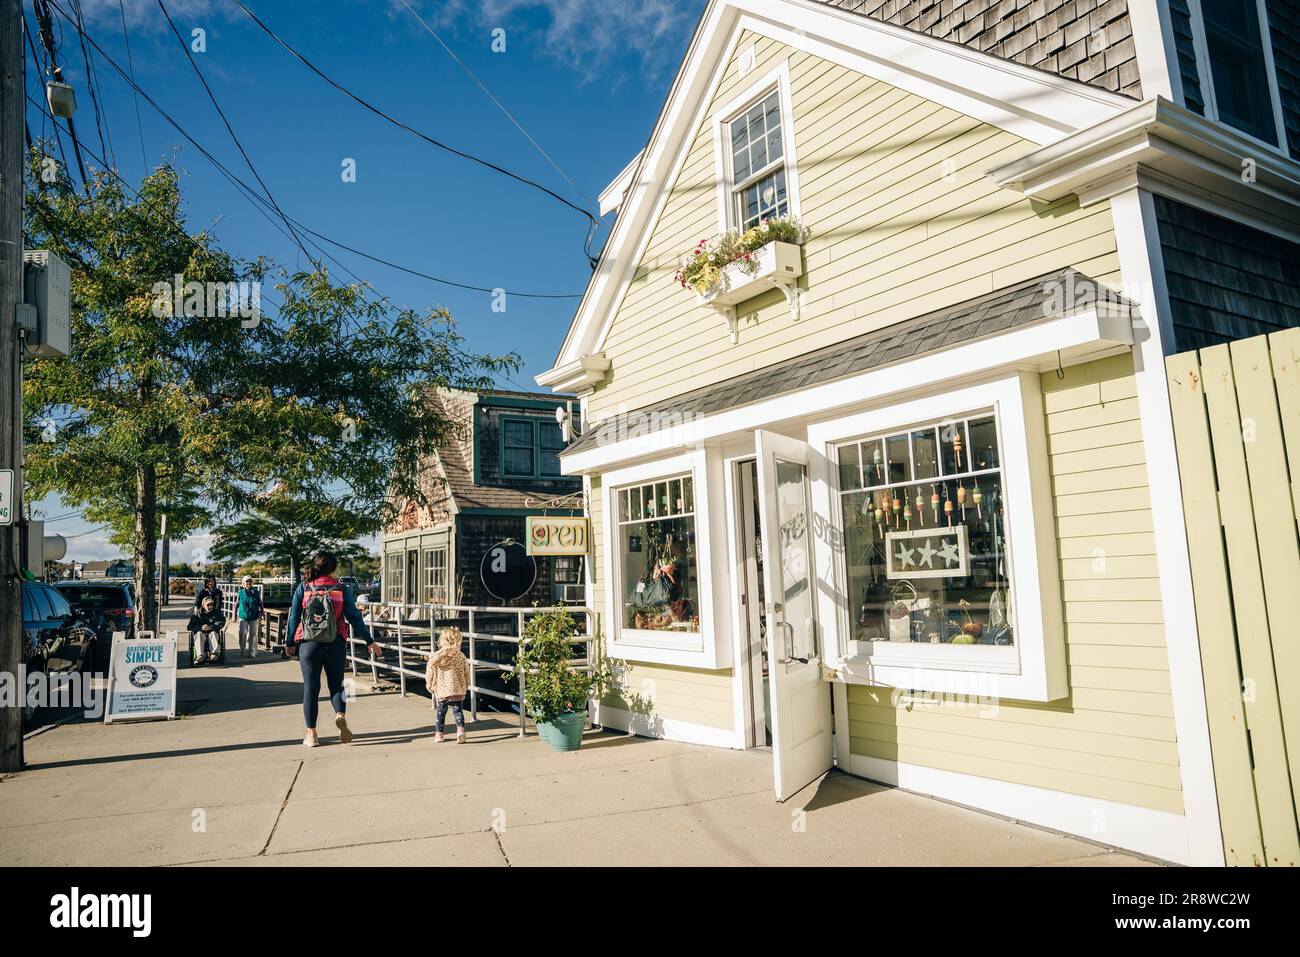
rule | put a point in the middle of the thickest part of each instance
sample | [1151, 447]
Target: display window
[925, 534]
[656, 540]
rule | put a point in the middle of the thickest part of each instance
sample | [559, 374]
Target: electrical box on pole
[47, 285]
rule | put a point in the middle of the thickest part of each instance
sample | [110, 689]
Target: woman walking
[319, 616]
[248, 609]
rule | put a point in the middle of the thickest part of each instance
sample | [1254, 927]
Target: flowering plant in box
[702, 270]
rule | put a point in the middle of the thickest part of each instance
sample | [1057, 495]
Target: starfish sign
[949, 554]
[904, 555]
[925, 554]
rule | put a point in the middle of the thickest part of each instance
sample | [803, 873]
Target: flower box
[778, 265]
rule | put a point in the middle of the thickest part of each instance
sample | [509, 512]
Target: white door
[800, 698]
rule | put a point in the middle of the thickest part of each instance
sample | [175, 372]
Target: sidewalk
[229, 782]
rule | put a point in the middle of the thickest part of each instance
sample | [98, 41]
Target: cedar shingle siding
[1284, 25]
[1086, 40]
[1181, 15]
[1226, 281]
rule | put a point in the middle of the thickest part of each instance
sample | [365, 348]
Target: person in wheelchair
[206, 627]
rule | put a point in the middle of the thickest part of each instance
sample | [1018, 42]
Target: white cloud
[588, 35]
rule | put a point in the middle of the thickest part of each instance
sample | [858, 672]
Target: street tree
[183, 389]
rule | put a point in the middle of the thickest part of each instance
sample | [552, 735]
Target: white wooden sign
[141, 677]
[927, 553]
[6, 496]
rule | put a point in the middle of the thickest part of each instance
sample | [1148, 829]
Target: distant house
[502, 466]
[112, 568]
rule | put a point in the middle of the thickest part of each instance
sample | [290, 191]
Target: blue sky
[585, 78]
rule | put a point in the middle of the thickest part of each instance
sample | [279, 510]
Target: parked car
[107, 606]
[55, 638]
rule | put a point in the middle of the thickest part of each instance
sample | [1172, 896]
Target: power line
[499, 105]
[410, 129]
[92, 81]
[229, 129]
[235, 180]
[139, 127]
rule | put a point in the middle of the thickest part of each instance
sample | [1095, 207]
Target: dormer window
[530, 448]
[758, 172]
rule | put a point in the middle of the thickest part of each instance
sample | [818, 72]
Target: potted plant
[555, 692]
[723, 263]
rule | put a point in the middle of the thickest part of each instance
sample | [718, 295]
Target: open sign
[559, 535]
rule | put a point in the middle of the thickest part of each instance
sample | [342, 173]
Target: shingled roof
[1023, 304]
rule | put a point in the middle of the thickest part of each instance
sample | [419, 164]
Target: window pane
[659, 575]
[898, 458]
[519, 461]
[518, 433]
[550, 463]
[549, 436]
[983, 451]
[1237, 66]
[925, 452]
[935, 569]
[850, 466]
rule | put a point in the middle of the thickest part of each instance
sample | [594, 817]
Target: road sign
[142, 677]
[6, 496]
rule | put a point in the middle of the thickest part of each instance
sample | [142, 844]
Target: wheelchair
[220, 637]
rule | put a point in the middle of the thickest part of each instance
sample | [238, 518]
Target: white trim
[708, 649]
[1038, 672]
[1142, 268]
[669, 729]
[1160, 834]
[1161, 140]
[611, 197]
[1033, 104]
[1154, 46]
[777, 77]
[1078, 338]
[583, 373]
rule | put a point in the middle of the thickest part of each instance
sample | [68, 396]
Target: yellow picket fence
[1236, 411]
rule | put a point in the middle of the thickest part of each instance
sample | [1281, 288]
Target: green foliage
[552, 687]
[704, 265]
[288, 532]
[316, 402]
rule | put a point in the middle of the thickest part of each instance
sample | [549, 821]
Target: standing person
[248, 609]
[319, 616]
[209, 590]
[447, 678]
[206, 627]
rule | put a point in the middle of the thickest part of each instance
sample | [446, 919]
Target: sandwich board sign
[141, 677]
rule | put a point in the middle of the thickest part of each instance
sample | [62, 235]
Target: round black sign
[507, 570]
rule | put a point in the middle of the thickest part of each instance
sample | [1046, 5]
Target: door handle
[787, 646]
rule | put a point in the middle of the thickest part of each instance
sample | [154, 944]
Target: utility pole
[12, 112]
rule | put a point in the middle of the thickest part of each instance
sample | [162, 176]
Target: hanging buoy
[956, 448]
[934, 502]
[977, 496]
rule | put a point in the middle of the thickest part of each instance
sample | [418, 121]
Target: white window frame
[395, 575]
[1205, 73]
[429, 568]
[703, 649]
[1033, 667]
[777, 78]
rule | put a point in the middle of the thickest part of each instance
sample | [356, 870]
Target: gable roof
[1032, 301]
[1033, 104]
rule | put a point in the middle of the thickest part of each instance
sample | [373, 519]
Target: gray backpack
[318, 620]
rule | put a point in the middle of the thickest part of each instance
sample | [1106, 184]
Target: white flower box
[777, 266]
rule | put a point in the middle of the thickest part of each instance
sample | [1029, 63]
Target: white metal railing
[412, 630]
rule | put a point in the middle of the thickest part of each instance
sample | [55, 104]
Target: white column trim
[1142, 266]
[1157, 56]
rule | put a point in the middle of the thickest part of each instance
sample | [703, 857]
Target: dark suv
[56, 638]
[106, 606]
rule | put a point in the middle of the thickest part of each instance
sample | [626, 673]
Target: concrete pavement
[229, 782]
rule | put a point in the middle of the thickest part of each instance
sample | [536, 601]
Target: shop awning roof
[1054, 295]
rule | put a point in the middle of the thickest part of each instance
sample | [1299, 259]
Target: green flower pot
[565, 732]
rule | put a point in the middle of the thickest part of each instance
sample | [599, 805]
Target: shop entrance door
[800, 699]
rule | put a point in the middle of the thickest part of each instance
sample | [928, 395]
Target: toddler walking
[447, 678]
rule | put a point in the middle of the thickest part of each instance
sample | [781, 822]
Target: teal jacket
[249, 607]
